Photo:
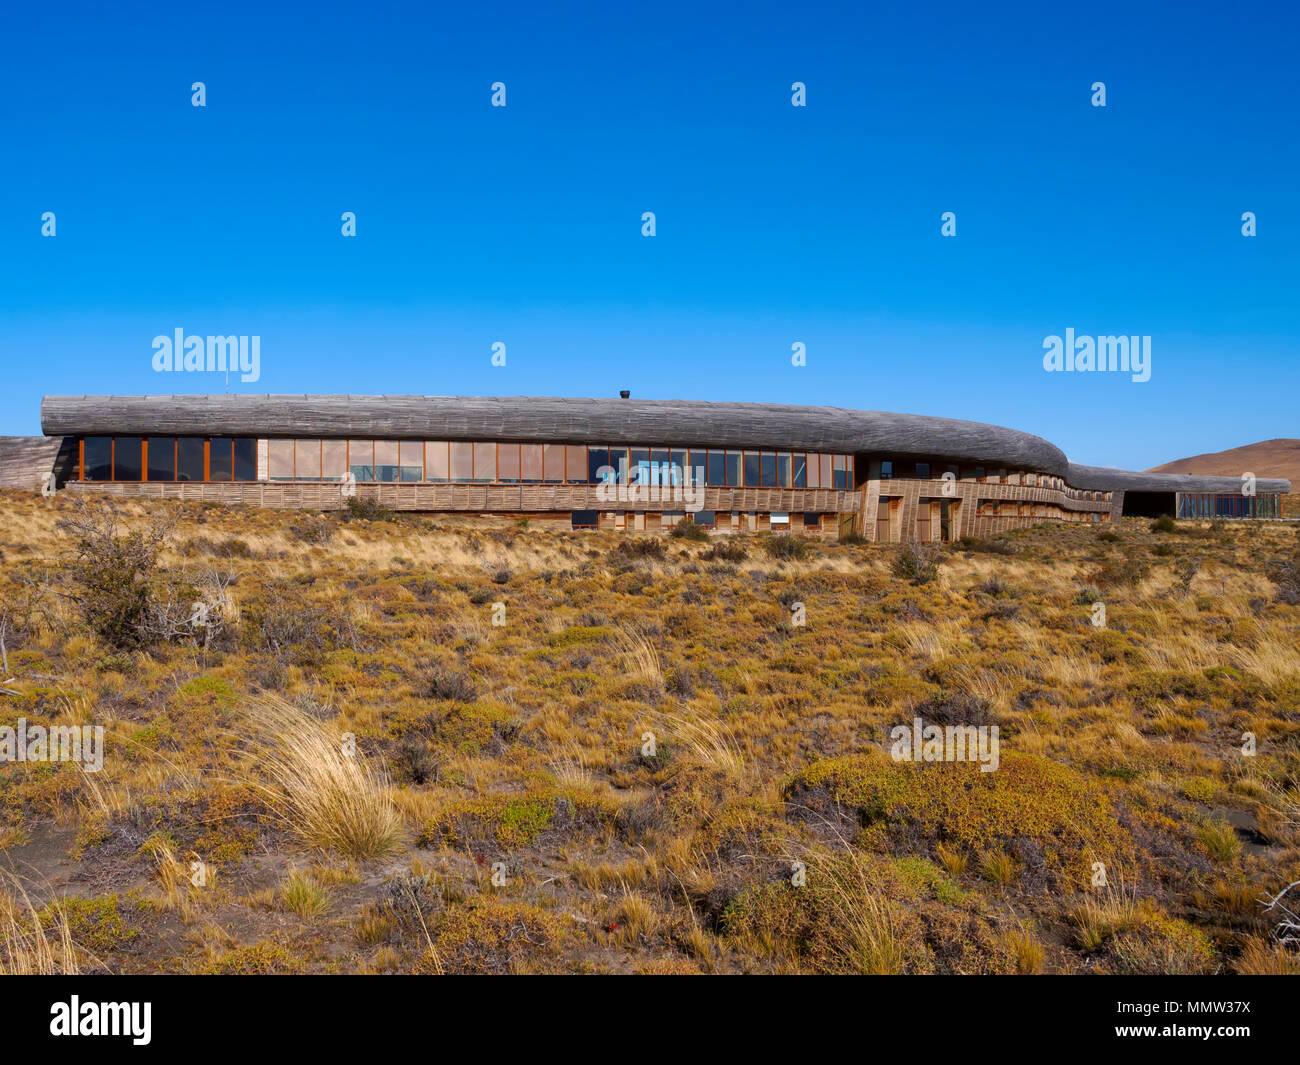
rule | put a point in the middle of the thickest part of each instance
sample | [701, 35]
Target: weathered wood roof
[614, 421]
[1094, 478]
[530, 418]
[25, 460]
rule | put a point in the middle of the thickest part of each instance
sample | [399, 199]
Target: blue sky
[775, 224]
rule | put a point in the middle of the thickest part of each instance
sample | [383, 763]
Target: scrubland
[432, 745]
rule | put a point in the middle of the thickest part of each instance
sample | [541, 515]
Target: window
[189, 458]
[812, 521]
[245, 459]
[462, 461]
[386, 464]
[220, 463]
[333, 460]
[485, 461]
[922, 470]
[597, 459]
[126, 458]
[781, 521]
[979, 473]
[361, 459]
[799, 476]
[530, 463]
[162, 458]
[753, 476]
[814, 470]
[584, 519]
[508, 463]
[99, 458]
[783, 471]
[715, 468]
[435, 455]
[733, 469]
[618, 462]
[411, 459]
[707, 518]
[828, 473]
[553, 463]
[575, 464]
[680, 461]
[767, 469]
[887, 470]
[306, 461]
[839, 473]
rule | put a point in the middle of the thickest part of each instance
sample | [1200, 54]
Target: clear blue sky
[775, 224]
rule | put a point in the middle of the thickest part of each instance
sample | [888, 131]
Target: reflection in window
[99, 458]
[126, 458]
[386, 464]
[887, 471]
[768, 469]
[716, 468]
[814, 470]
[597, 459]
[162, 458]
[219, 462]
[800, 470]
[245, 459]
[361, 459]
[751, 469]
[733, 469]
[189, 458]
[411, 460]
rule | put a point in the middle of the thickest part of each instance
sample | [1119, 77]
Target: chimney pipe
[625, 394]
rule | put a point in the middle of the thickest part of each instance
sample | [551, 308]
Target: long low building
[605, 463]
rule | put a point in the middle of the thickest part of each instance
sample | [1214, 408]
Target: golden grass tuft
[332, 799]
[27, 947]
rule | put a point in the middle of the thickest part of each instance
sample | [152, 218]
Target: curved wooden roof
[532, 418]
[614, 421]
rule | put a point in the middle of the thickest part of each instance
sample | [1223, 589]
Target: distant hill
[1268, 458]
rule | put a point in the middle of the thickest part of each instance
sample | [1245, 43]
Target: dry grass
[332, 798]
[27, 946]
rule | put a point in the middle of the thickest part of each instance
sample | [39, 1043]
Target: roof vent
[625, 394]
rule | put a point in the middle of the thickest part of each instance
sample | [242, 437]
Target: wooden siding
[26, 460]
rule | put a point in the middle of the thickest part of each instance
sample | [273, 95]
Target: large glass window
[435, 455]
[485, 461]
[126, 458]
[462, 461]
[799, 461]
[279, 460]
[386, 461]
[768, 467]
[716, 468]
[306, 460]
[597, 459]
[189, 458]
[162, 458]
[828, 476]
[98, 458]
[840, 473]
[333, 460]
[553, 463]
[411, 459]
[783, 471]
[575, 464]
[508, 463]
[752, 477]
[814, 470]
[245, 458]
[530, 463]
[361, 459]
[733, 470]
[220, 464]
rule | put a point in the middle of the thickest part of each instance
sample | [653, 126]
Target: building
[606, 463]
